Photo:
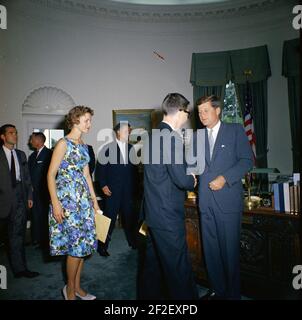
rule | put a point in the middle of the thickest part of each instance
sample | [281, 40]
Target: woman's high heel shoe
[64, 291]
[87, 297]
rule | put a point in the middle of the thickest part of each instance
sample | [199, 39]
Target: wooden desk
[270, 248]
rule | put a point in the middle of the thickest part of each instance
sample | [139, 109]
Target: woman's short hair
[73, 116]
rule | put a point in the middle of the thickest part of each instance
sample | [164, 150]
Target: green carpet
[111, 278]
[108, 278]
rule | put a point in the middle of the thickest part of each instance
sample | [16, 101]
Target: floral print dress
[76, 235]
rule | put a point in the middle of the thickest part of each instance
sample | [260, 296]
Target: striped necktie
[211, 142]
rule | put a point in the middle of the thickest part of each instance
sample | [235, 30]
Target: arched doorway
[44, 110]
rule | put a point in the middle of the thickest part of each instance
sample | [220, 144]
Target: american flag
[248, 119]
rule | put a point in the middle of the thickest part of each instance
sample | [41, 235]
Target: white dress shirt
[8, 157]
[40, 151]
[215, 130]
[169, 125]
[179, 131]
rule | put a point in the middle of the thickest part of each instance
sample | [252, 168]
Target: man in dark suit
[167, 271]
[15, 198]
[115, 175]
[228, 158]
[38, 163]
[92, 159]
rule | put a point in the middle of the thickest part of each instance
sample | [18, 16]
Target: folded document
[102, 224]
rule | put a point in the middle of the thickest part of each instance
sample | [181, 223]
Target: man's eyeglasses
[186, 111]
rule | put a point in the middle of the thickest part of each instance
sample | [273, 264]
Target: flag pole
[248, 73]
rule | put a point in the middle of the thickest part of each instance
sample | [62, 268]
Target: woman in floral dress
[73, 202]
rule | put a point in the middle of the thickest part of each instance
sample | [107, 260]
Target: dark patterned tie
[13, 170]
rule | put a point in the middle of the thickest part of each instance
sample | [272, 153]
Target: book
[286, 186]
[276, 197]
[281, 197]
[296, 178]
[296, 199]
[291, 199]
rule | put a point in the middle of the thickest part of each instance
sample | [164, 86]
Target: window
[52, 136]
[231, 112]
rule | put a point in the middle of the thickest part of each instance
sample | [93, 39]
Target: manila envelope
[102, 224]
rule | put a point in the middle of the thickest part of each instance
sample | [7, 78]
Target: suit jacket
[116, 174]
[92, 159]
[232, 158]
[6, 190]
[165, 185]
[38, 167]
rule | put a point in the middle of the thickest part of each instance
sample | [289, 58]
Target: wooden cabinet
[194, 242]
[270, 248]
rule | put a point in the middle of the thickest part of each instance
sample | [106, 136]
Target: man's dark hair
[5, 127]
[40, 135]
[3, 130]
[174, 102]
[213, 99]
[121, 124]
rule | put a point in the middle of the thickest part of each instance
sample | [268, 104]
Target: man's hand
[218, 183]
[30, 204]
[107, 191]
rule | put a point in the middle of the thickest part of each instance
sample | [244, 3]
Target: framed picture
[141, 120]
[137, 118]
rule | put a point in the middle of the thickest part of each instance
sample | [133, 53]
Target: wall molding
[147, 13]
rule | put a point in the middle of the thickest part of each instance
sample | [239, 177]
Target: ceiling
[170, 2]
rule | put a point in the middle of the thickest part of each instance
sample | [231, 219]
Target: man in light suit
[116, 177]
[228, 157]
[38, 163]
[15, 198]
[167, 271]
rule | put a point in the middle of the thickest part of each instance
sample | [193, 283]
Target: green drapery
[254, 59]
[290, 70]
[209, 74]
[211, 71]
[217, 68]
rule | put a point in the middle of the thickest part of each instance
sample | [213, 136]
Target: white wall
[109, 64]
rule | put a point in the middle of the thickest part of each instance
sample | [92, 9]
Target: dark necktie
[13, 170]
